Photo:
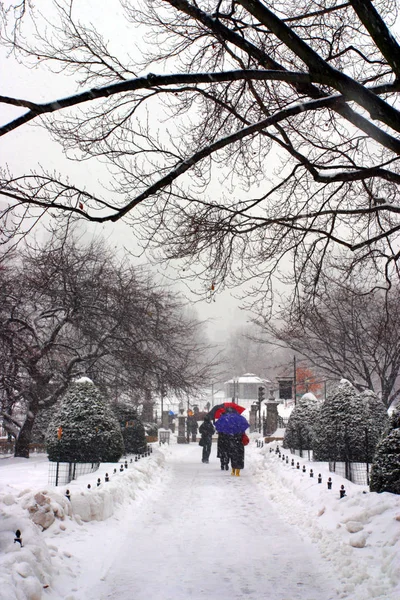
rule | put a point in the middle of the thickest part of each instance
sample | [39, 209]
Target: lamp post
[181, 426]
[261, 398]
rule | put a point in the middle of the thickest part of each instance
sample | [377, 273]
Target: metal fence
[303, 453]
[345, 455]
[61, 473]
[357, 472]
[282, 422]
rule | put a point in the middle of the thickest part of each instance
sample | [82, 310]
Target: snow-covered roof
[248, 378]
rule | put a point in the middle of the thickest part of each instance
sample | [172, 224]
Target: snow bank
[26, 571]
[359, 533]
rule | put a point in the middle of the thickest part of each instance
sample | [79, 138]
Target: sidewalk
[200, 534]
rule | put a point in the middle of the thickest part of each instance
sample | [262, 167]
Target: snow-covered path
[203, 534]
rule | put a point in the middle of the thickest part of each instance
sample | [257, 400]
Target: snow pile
[359, 533]
[43, 512]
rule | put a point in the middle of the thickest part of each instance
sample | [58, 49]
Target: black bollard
[342, 491]
[88, 486]
[121, 468]
[287, 460]
[67, 495]
[311, 473]
[18, 538]
[304, 468]
[329, 483]
[297, 465]
[98, 482]
[126, 464]
[115, 470]
[270, 450]
[131, 460]
[292, 463]
[135, 458]
[319, 478]
[106, 478]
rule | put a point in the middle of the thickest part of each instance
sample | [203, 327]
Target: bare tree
[246, 352]
[68, 310]
[347, 335]
[310, 84]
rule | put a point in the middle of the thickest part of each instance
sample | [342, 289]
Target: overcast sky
[30, 146]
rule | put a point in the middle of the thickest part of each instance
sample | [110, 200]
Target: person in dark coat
[233, 425]
[206, 431]
[236, 453]
[223, 450]
[193, 428]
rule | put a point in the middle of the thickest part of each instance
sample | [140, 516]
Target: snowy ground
[170, 527]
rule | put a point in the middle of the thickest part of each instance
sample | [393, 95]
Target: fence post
[367, 453]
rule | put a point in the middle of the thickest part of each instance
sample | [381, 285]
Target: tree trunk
[25, 435]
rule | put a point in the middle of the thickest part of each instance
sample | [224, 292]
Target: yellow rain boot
[237, 472]
[233, 472]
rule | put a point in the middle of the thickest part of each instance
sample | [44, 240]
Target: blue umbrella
[231, 423]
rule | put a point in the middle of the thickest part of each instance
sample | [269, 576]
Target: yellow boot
[237, 472]
[233, 472]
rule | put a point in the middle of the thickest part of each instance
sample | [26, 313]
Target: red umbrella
[219, 409]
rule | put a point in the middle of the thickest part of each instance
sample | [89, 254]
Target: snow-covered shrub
[299, 433]
[376, 418]
[134, 436]
[385, 472]
[133, 430]
[90, 431]
[349, 425]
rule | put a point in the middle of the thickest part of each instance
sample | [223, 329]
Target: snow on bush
[299, 432]
[349, 425]
[385, 472]
[89, 430]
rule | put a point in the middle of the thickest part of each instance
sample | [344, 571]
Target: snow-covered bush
[299, 433]
[89, 430]
[377, 420]
[349, 425]
[133, 430]
[134, 436]
[385, 473]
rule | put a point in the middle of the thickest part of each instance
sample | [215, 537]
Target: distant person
[192, 427]
[232, 424]
[206, 431]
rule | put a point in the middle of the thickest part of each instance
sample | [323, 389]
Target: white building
[245, 389]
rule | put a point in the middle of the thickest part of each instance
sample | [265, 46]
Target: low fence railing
[61, 473]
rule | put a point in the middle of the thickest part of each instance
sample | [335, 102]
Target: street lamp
[261, 398]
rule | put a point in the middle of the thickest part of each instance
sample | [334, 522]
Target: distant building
[244, 389]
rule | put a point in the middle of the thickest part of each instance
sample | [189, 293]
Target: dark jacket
[206, 429]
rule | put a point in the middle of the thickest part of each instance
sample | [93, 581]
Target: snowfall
[169, 527]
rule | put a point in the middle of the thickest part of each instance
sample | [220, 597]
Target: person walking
[223, 450]
[233, 425]
[206, 431]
